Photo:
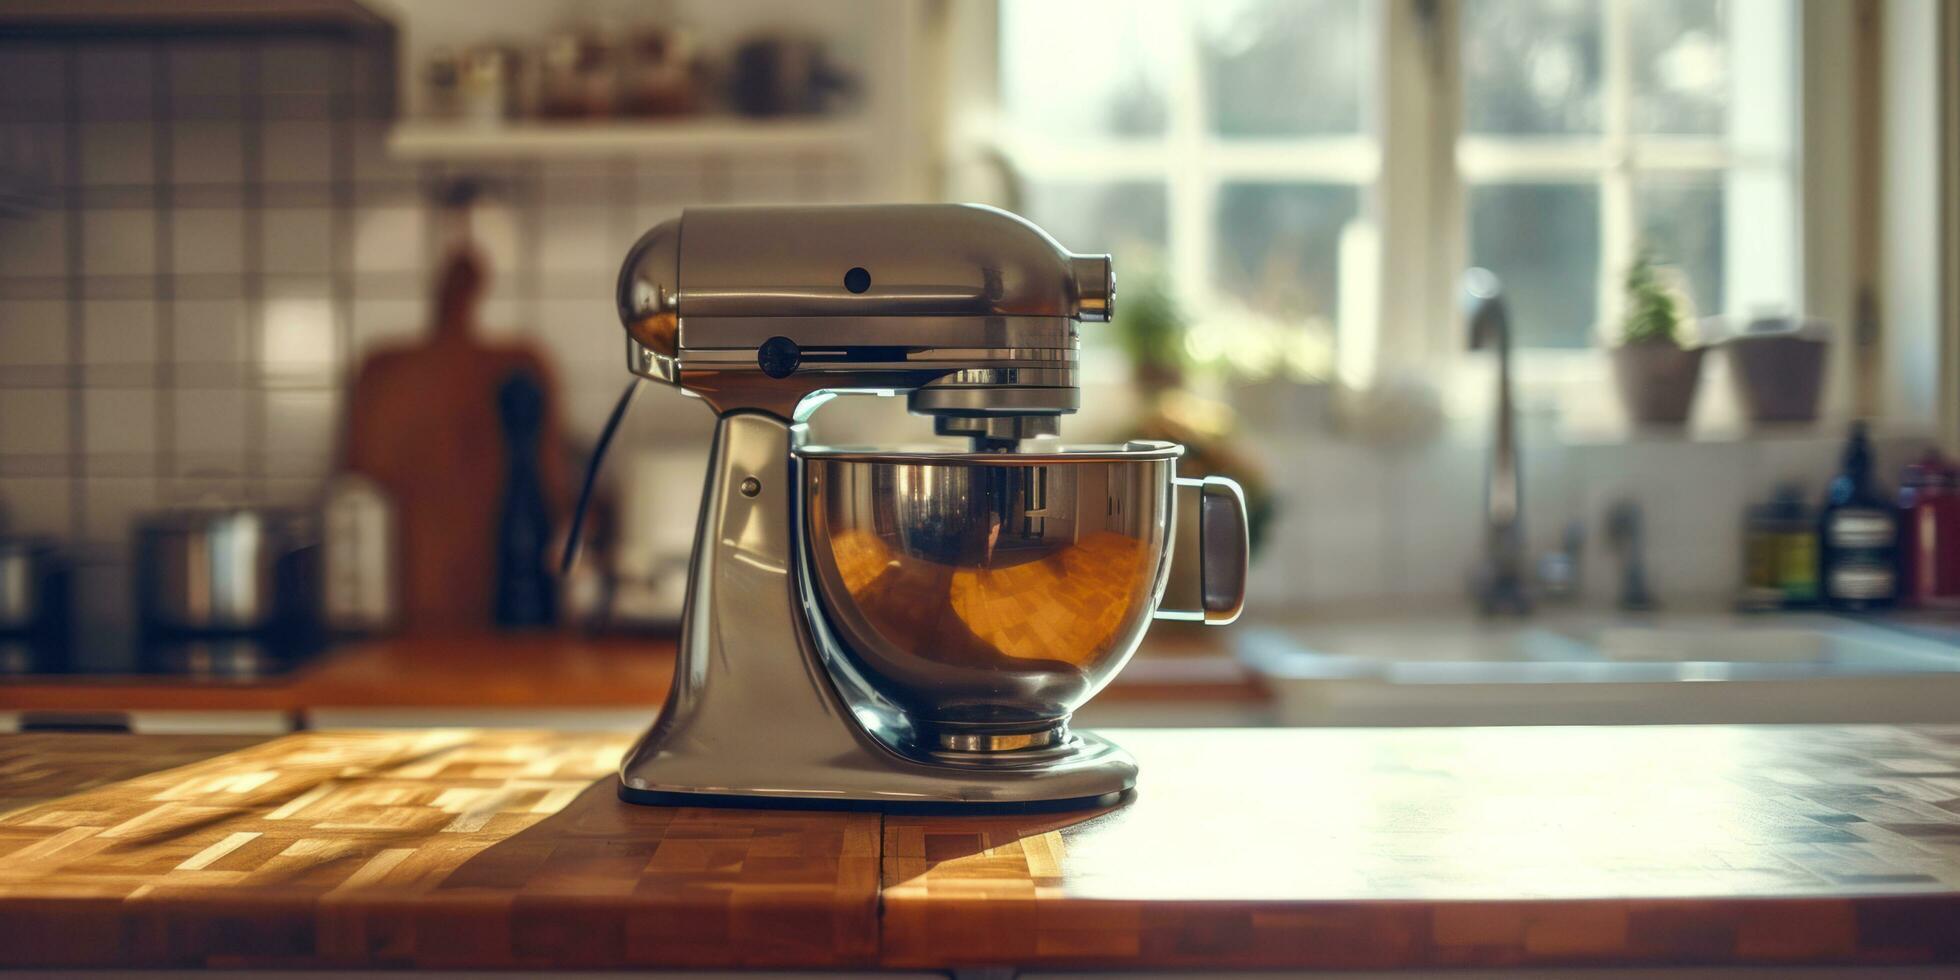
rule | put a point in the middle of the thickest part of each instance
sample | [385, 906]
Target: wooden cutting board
[423, 423]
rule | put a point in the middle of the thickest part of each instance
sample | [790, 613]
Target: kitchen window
[1313, 175]
[1590, 127]
[1162, 141]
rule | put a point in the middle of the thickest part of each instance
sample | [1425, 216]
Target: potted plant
[1150, 326]
[1777, 366]
[1657, 373]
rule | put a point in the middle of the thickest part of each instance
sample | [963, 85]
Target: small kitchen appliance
[223, 590]
[896, 628]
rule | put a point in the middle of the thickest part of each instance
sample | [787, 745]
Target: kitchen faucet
[1624, 533]
[1498, 583]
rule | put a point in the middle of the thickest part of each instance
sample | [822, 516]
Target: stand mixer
[893, 629]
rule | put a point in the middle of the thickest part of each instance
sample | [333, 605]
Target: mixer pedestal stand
[765, 709]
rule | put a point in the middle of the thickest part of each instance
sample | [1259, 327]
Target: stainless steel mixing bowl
[990, 594]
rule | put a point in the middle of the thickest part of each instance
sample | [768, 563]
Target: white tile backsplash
[34, 245]
[581, 333]
[207, 151]
[119, 331]
[209, 422]
[1435, 497]
[110, 506]
[207, 241]
[208, 331]
[85, 446]
[298, 241]
[115, 80]
[296, 150]
[38, 506]
[379, 322]
[1342, 545]
[119, 242]
[296, 66]
[1355, 522]
[120, 152]
[498, 231]
[298, 342]
[389, 239]
[119, 421]
[33, 421]
[33, 332]
[202, 69]
[372, 161]
[301, 429]
[578, 240]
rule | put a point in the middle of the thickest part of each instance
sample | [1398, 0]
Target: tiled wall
[1397, 531]
[224, 235]
[220, 235]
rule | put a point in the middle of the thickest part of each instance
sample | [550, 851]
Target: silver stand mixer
[889, 629]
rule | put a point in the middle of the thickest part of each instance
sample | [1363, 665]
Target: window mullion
[1618, 219]
[1188, 181]
[1410, 201]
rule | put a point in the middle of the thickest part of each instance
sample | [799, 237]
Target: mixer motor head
[969, 310]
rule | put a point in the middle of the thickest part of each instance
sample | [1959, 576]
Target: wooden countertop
[538, 670]
[1250, 848]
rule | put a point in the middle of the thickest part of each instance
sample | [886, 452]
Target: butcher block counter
[1327, 848]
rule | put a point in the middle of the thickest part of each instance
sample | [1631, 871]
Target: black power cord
[592, 474]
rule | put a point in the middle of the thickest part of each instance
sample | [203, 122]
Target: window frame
[1418, 199]
[1192, 163]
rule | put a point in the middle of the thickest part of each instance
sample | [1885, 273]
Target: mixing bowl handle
[1208, 552]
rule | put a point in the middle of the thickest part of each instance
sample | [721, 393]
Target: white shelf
[437, 141]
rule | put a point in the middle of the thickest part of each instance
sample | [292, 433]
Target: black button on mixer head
[778, 357]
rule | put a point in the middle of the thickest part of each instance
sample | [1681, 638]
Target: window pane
[1681, 220]
[1531, 67]
[1279, 247]
[1126, 220]
[1542, 240]
[1284, 67]
[1087, 68]
[1680, 66]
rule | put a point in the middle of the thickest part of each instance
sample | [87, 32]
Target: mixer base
[853, 773]
[645, 797]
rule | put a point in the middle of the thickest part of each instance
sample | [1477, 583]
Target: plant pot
[1658, 381]
[1777, 378]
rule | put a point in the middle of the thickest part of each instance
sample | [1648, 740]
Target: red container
[1929, 533]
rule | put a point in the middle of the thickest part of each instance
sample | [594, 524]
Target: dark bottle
[1857, 536]
[526, 594]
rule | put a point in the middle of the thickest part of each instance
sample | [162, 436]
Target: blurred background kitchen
[307, 333]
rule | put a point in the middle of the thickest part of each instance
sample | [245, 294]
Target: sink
[1850, 646]
[1578, 669]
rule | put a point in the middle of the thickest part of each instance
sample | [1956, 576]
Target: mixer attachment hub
[996, 433]
[995, 741]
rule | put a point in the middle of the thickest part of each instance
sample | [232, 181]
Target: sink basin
[1573, 669]
[1847, 646]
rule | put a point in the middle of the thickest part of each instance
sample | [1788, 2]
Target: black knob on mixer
[778, 357]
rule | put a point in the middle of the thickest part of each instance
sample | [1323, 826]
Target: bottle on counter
[1780, 553]
[1857, 567]
[1929, 533]
[526, 593]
